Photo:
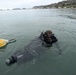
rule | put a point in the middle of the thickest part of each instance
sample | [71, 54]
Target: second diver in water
[45, 39]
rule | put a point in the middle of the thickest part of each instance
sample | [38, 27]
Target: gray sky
[24, 3]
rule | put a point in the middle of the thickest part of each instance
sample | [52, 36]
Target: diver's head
[47, 36]
[48, 33]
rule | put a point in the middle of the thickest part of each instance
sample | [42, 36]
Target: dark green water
[25, 25]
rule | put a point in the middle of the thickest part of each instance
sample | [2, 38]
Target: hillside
[63, 4]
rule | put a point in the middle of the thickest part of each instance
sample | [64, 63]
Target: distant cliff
[63, 4]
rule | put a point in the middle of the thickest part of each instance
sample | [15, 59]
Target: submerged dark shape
[33, 49]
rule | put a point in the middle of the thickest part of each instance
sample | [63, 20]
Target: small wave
[69, 16]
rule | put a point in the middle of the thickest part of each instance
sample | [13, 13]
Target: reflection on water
[25, 25]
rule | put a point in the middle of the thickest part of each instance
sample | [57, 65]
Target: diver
[33, 49]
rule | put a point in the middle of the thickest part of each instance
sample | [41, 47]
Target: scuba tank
[12, 60]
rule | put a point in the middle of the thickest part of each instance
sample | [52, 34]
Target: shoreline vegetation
[62, 4]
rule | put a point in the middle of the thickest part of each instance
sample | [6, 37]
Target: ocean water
[25, 25]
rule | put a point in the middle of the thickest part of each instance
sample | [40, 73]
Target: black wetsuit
[33, 49]
[27, 53]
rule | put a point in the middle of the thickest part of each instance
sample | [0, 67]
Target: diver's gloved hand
[11, 60]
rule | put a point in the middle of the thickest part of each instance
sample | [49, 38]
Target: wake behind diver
[32, 50]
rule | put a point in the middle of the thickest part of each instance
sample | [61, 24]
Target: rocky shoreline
[63, 4]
